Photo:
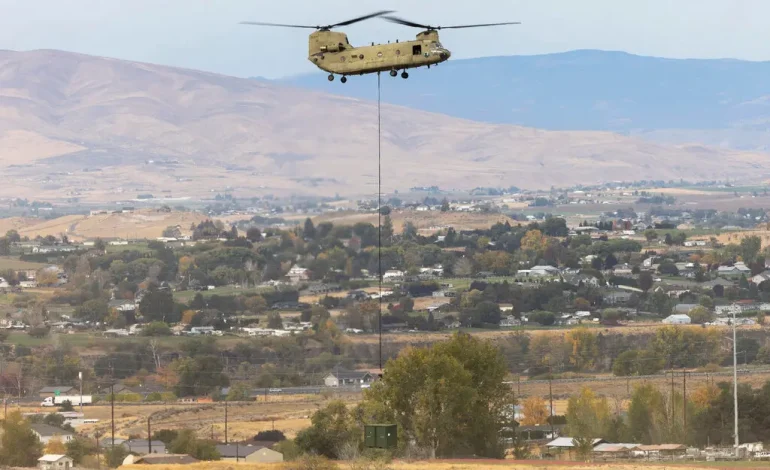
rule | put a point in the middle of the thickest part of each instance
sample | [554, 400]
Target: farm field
[289, 414]
[10, 262]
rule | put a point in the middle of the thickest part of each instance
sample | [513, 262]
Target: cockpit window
[437, 45]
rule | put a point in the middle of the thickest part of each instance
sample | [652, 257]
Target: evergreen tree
[387, 231]
[309, 230]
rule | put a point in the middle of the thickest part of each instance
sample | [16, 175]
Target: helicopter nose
[444, 54]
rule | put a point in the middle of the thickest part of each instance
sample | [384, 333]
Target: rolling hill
[100, 129]
[718, 102]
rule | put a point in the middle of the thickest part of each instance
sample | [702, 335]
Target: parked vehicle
[75, 400]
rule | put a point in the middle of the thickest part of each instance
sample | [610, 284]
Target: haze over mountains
[102, 129]
[716, 102]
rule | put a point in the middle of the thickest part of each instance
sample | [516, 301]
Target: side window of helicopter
[417, 50]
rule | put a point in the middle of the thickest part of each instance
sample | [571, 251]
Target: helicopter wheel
[331, 77]
[393, 73]
[344, 79]
[404, 75]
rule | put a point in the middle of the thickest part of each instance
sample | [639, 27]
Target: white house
[55, 462]
[297, 275]
[677, 319]
[393, 275]
[46, 433]
[348, 377]
[543, 270]
[510, 321]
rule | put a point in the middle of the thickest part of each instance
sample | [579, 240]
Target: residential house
[54, 462]
[623, 270]
[728, 310]
[617, 297]
[728, 271]
[692, 243]
[46, 392]
[677, 319]
[581, 280]
[297, 275]
[684, 308]
[393, 275]
[248, 453]
[316, 289]
[716, 282]
[543, 271]
[341, 378]
[160, 459]
[566, 445]
[509, 321]
[122, 305]
[761, 277]
[143, 447]
[46, 433]
[202, 330]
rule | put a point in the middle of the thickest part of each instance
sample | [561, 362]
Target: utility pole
[684, 400]
[550, 396]
[672, 393]
[98, 453]
[735, 385]
[80, 376]
[149, 436]
[225, 421]
[112, 411]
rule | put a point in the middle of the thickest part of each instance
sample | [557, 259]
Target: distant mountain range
[715, 102]
[101, 129]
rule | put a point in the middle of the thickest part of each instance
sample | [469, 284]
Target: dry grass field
[289, 414]
[146, 223]
[736, 237]
[426, 222]
[455, 465]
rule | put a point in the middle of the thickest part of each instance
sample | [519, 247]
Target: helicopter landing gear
[331, 77]
[393, 73]
[404, 75]
[344, 79]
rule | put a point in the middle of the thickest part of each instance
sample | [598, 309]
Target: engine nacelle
[332, 47]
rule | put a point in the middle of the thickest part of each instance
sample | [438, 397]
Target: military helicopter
[331, 52]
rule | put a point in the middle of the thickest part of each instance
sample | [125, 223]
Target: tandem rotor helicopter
[330, 51]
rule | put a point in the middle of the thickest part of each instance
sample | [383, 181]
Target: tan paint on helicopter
[330, 51]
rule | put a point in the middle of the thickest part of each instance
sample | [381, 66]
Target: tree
[239, 391]
[254, 234]
[158, 305]
[387, 231]
[19, 446]
[199, 375]
[445, 205]
[55, 446]
[588, 416]
[644, 414]
[534, 241]
[645, 281]
[99, 245]
[750, 247]
[186, 442]
[115, 456]
[156, 328]
[446, 397]
[535, 411]
[309, 230]
[331, 428]
[700, 315]
[78, 448]
[584, 347]
[274, 321]
[13, 236]
[93, 310]
[650, 235]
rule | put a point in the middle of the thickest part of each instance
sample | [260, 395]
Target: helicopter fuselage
[330, 51]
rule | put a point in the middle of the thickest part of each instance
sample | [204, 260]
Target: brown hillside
[105, 129]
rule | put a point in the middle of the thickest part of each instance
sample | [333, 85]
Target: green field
[187, 295]
[141, 247]
[10, 262]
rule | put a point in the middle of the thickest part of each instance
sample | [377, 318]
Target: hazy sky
[204, 34]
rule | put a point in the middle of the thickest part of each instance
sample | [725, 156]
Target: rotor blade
[394, 19]
[256, 23]
[476, 25]
[361, 18]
